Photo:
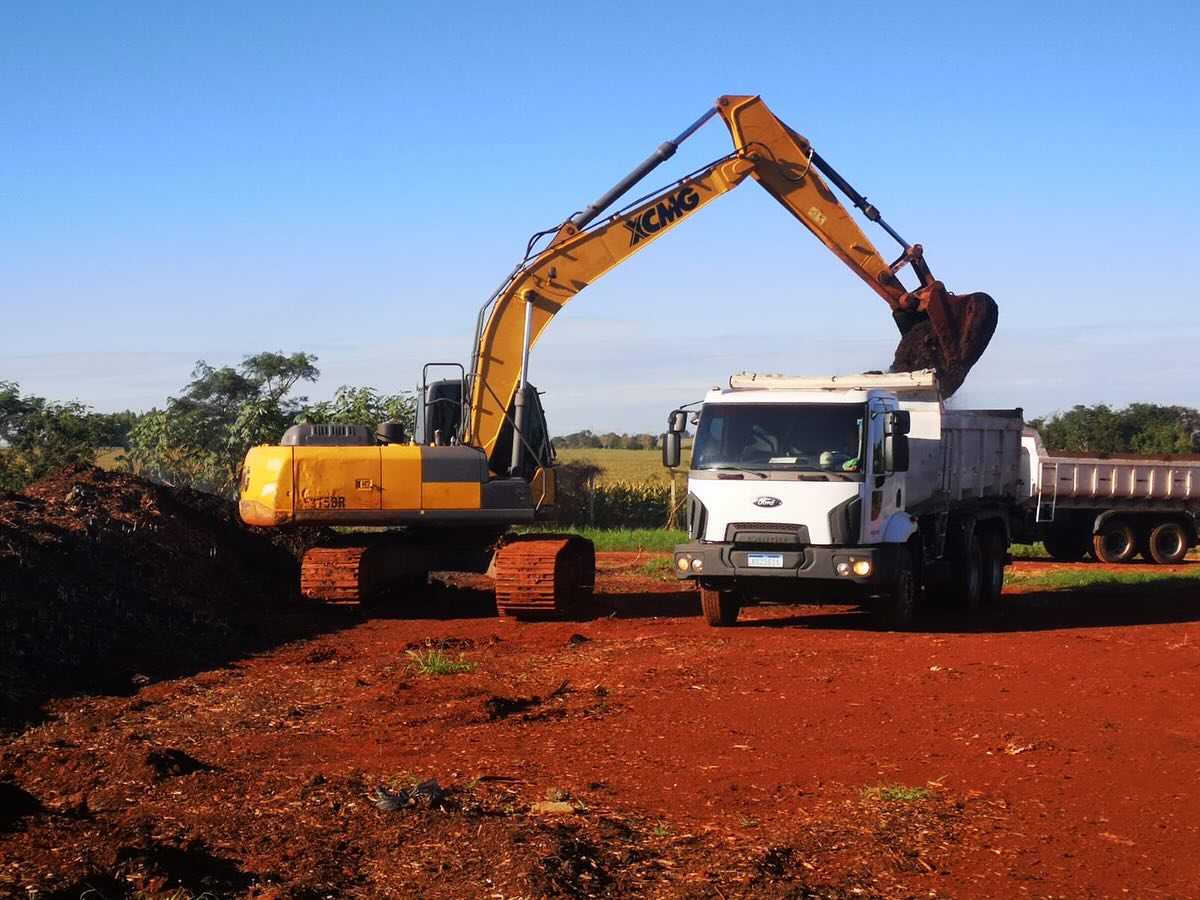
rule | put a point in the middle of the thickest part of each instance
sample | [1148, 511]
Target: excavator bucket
[947, 332]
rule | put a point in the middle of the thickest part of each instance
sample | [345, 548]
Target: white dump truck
[863, 487]
[1112, 507]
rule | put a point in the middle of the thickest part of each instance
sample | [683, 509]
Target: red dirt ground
[1051, 744]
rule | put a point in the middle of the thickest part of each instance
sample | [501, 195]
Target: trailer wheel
[1168, 543]
[1067, 544]
[1115, 542]
[720, 608]
[897, 608]
[991, 546]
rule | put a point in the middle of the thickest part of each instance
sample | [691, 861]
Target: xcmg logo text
[662, 214]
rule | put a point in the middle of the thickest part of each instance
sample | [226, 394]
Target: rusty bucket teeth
[333, 574]
[542, 576]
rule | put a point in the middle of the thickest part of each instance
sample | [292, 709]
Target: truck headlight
[697, 564]
[843, 568]
[681, 562]
[862, 567]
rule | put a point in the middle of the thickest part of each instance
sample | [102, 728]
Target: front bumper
[723, 562]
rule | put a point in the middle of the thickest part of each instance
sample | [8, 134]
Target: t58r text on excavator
[481, 460]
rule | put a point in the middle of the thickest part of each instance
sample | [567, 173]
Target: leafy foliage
[1138, 428]
[202, 435]
[363, 404]
[39, 435]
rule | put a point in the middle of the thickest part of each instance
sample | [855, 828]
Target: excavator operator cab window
[440, 411]
[537, 451]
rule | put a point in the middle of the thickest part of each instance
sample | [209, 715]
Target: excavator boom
[938, 329]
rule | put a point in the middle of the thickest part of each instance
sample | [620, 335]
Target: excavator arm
[939, 329]
[574, 259]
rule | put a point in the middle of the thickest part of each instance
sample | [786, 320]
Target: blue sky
[207, 181]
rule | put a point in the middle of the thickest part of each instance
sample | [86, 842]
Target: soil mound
[108, 580]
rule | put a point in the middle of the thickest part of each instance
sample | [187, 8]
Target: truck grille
[766, 534]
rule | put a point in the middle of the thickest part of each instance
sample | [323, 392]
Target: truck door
[884, 492]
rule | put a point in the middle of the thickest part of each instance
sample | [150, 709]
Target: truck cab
[842, 487]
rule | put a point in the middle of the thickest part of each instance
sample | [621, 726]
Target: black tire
[897, 608]
[1065, 544]
[1168, 543]
[991, 546]
[965, 587]
[1115, 542]
[720, 608]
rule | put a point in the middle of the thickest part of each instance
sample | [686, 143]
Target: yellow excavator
[481, 460]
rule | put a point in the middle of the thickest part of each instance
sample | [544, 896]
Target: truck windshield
[781, 436]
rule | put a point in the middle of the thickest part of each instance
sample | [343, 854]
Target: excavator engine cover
[947, 332]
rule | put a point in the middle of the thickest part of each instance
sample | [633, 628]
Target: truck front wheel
[897, 608]
[1168, 543]
[720, 608]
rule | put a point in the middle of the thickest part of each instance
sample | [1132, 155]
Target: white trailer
[1113, 507]
[860, 486]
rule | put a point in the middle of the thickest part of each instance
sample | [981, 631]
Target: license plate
[764, 560]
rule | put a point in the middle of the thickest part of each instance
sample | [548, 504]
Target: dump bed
[1100, 480]
[963, 457]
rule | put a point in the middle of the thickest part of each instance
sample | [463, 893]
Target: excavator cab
[441, 418]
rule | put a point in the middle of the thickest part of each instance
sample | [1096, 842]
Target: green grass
[627, 539]
[436, 661]
[628, 466]
[1029, 551]
[1087, 578]
[660, 568]
[895, 793]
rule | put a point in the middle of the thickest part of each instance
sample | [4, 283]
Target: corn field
[584, 499]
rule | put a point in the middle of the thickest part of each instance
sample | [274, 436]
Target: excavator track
[544, 576]
[333, 574]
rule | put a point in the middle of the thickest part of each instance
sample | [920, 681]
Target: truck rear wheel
[720, 608]
[896, 610]
[991, 546]
[968, 576]
[1115, 542]
[1168, 543]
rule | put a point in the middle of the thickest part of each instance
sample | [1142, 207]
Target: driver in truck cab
[845, 457]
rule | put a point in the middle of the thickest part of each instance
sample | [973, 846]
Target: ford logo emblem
[767, 501]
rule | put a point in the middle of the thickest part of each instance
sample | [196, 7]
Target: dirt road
[1047, 747]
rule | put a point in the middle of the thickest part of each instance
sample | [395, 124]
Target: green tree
[351, 405]
[203, 434]
[1139, 428]
[39, 435]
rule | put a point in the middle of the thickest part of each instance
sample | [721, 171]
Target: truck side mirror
[677, 421]
[897, 422]
[672, 449]
[895, 452]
